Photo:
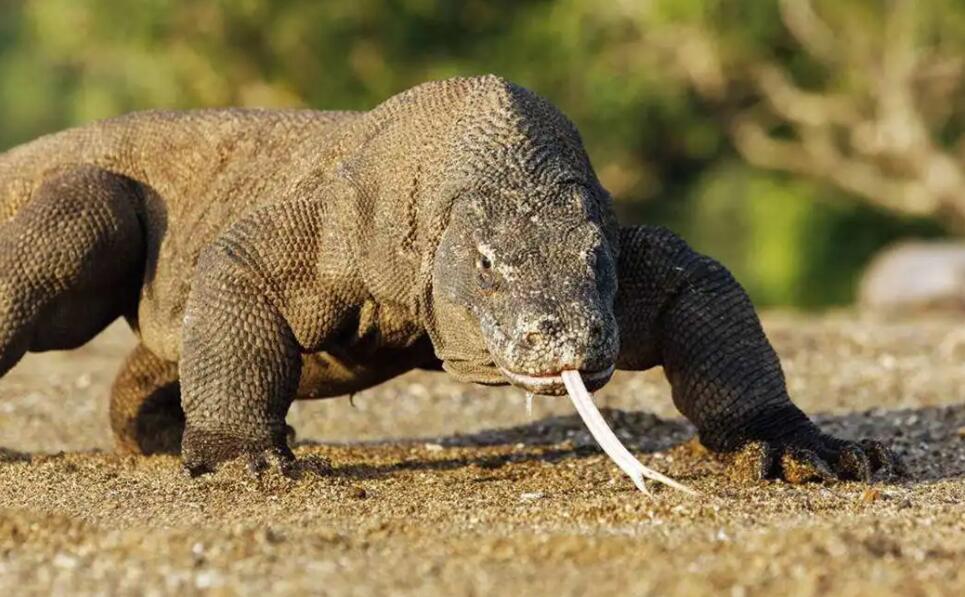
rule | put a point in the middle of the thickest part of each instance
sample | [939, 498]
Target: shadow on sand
[930, 440]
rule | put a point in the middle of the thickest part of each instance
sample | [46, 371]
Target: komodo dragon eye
[486, 275]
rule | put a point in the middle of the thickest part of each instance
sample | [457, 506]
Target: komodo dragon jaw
[552, 384]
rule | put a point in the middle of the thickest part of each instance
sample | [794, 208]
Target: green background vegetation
[659, 144]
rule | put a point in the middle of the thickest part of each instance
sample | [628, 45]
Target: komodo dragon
[264, 255]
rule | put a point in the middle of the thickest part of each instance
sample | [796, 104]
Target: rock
[916, 276]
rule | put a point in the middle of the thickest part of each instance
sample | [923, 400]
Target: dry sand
[427, 486]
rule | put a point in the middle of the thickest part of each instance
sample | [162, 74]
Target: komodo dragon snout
[535, 281]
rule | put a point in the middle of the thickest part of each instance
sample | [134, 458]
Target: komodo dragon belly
[340, 372]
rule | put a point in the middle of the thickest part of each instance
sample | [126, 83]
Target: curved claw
[884, 462]
[280, 460]
[853, 463]
[799, 465]
[756, 461]
[195, 470]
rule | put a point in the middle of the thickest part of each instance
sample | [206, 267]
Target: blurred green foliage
[661, 148]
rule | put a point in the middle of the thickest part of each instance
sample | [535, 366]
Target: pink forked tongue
[604, 436]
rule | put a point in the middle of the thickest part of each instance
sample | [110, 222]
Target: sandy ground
[427, 486]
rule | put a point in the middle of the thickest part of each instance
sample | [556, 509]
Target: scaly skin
[263, 256]
[145, 410]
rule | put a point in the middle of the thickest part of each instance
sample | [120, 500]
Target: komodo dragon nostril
[532, 339]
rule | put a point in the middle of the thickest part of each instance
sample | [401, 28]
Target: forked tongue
[604, 436]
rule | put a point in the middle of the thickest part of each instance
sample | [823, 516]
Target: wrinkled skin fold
[265, 256]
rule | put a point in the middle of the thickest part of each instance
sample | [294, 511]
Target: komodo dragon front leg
[145, 408]
[685, 311]
[273, 287]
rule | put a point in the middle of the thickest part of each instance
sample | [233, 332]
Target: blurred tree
[866, 95]
[695, 111]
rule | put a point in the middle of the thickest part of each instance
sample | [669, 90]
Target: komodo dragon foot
[203, 451]
[815, 456]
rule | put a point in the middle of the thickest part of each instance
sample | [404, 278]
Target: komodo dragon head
[524, 278]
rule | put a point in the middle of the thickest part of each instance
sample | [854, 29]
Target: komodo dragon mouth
[552, 384]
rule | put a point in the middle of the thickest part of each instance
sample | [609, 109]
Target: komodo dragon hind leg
[146, 413]
[70, 262]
